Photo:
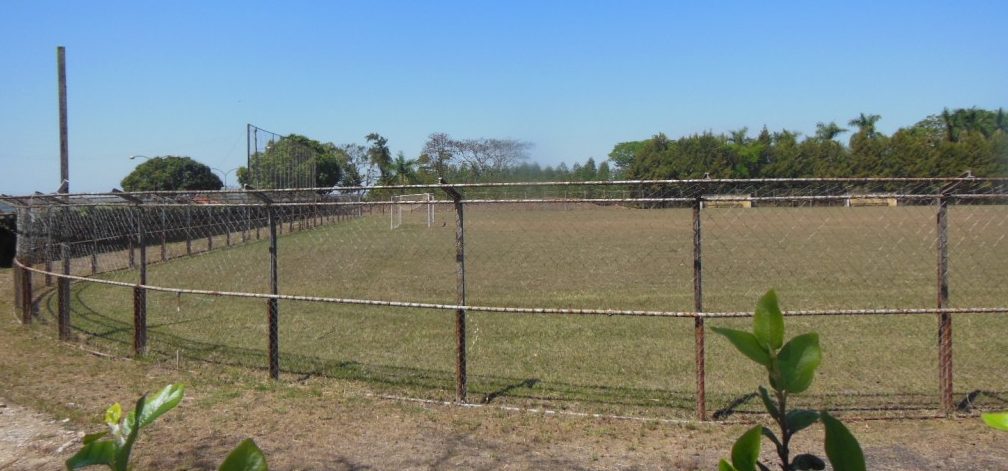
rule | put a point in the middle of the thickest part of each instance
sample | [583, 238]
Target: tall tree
[171, 173]
[404, 171]
[829, 131]
[379, 157]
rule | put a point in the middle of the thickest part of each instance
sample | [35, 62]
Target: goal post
[412, 209]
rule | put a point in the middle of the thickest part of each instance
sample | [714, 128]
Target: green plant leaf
[747, 344]
[842, 449]
[745, 452]
[245, 457]
[799, 419]
[122, 454]
[725, 466]
[773, 438]
[113, 414]
[164, 401]
[93, 436]
[94, 452]
[996, 420]
[797, 362]
[768, 403]
[806, 461]
[768, 322]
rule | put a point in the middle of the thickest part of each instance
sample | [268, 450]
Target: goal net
[412, 209]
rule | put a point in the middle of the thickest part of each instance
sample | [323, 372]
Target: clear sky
[574, 78]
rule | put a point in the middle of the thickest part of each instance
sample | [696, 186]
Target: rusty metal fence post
[188, 231]
[48, 248]
[139, 292]
[698, 320]
[18, 274]
[272, 307]
[460, 300]
[28, 304]
[94, 242]
[164, 236]
[63, 294]
[944, 318]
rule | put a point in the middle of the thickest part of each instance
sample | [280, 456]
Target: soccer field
[598, 257]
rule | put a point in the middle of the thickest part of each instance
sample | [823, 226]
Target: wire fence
[594, 294]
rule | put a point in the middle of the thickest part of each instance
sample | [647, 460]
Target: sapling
[790, 369]
[113, 447]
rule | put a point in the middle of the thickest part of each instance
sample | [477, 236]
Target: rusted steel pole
[28, 308]
[272, 307]
[48, 248]
[698, 321]
[63, 294]
[461, 379]
[188, 230]
[164, 236]
[18, 274]
[94, 242]
[944, 318]
[140, 293]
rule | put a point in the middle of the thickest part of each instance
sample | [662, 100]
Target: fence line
[76, 220]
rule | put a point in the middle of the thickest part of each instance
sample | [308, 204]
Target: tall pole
[64, 143]
[698, 320]
[944, 318]
[272, 307]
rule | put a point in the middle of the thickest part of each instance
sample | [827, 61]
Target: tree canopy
[296, 161]
[171, 173]
[945, 144]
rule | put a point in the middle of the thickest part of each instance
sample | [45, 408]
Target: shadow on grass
[116, 331]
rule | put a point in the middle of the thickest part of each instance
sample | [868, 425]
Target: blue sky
[573, 78]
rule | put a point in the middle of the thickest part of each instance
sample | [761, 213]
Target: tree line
[949, 143]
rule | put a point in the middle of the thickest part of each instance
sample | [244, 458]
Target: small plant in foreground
[790, 367]
[114, 446]
[996, 420]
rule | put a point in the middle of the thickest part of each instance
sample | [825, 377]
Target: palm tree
[827, 132]
[379, 155]
[404, 171]
[866, 124]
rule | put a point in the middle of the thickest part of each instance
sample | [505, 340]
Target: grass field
[594, 257]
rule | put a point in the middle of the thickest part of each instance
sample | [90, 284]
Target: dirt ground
[52, 392]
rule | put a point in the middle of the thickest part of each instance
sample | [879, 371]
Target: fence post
[209, 231]
[28, 307]
[48, 248]
[272, 307]
[188, 230]
[18, 290]
[130, 242]
[94, 241]
[164, 236]
[140, 293]
[698, 320]
[460, 287]
[944, 318]
[63, 294]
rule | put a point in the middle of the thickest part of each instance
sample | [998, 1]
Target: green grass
[593, 257]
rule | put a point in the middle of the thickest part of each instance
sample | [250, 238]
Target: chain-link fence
[589, 295]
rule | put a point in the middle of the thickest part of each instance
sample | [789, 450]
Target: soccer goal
[412, 209]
